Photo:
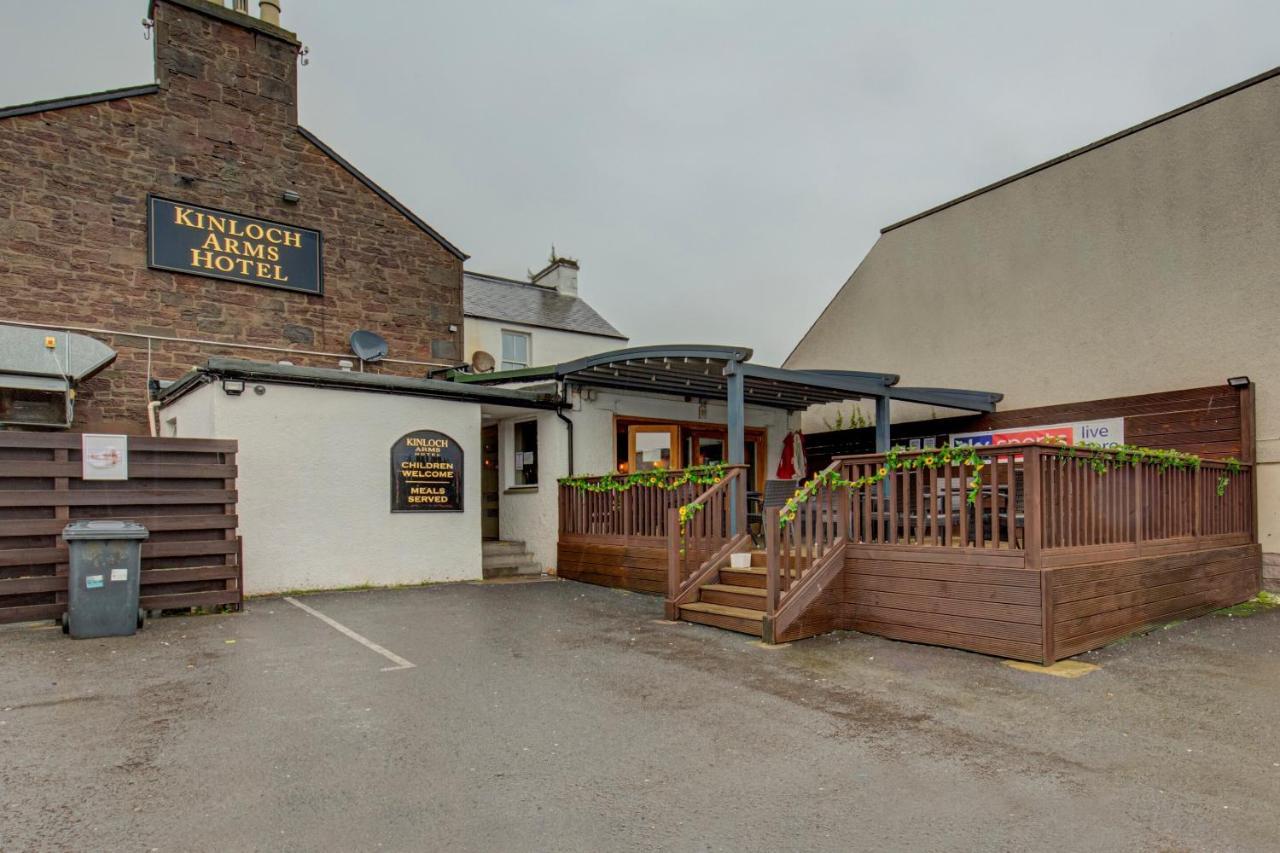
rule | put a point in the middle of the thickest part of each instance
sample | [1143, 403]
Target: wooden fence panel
[182, 490]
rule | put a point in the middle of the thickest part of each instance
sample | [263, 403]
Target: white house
[524, 323]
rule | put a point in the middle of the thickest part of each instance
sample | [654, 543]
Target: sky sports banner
[1108, 433]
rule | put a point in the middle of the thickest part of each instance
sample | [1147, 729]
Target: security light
[233, 387]
[291, 196]
[1238, 381]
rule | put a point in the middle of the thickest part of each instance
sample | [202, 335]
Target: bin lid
[104, 530]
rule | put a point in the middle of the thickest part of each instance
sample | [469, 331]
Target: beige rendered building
[1145, 262]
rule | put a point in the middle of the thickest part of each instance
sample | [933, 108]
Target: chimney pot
[269, 11]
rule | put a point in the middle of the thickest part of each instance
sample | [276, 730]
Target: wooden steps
[738, 619]
[734, 601]
[752, 577]
[730, 595]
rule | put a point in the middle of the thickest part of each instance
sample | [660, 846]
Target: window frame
[512, 364]
[519, 471]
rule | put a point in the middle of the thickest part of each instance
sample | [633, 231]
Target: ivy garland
[1125, 454]
[699, 475]
[952, 455]
[1132, 455]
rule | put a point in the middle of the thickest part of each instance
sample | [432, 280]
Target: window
[653, 447]
[515, 350]
[525, 444]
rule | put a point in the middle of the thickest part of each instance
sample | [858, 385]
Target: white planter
[740, 561]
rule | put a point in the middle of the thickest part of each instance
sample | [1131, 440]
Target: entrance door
[489, 482]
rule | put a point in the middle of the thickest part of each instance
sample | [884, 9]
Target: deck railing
[639, 511]
[1042, 500]
[715, 526]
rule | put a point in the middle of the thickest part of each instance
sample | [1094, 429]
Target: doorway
[489, 480]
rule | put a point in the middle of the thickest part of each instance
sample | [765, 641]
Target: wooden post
[673, 562]
[1033, 536]
[771, 530]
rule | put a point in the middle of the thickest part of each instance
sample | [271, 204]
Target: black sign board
[426, 473]
[203, 241]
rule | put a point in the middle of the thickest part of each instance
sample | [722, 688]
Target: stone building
[216, 133]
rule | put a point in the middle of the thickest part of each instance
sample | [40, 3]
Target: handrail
[714, 526]
[798, 553]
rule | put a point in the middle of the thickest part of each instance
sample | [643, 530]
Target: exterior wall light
[233, 387]
[291, 196]
[1238, 381]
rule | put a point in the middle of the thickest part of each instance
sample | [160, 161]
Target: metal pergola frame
[726, 373]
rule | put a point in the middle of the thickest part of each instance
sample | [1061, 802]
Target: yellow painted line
[1061, 669]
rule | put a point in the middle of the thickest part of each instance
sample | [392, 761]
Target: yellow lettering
[273, 253]
[211, 243]
[253, 231]
[264, 270]
[201, 259]
[278, 275]
[231, 246]
[223, 264]
[182, 216]
[293, 238]
[216, 223]
[274, 235]
[253, 250]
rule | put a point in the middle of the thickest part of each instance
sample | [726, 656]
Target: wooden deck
[1058, 554]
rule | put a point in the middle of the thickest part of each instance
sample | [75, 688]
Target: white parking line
[400, 663]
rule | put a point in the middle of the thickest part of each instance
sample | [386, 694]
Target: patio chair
[776, 493]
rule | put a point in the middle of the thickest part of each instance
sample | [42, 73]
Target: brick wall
[220, 132]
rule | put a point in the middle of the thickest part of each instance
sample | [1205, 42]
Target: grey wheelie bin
[106, 561]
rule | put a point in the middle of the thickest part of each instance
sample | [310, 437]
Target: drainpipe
[568, 422]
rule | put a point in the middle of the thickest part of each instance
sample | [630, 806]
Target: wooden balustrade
[639, 511]
[930, 506]
[716, 525]
[1034, 499]
[806, 543]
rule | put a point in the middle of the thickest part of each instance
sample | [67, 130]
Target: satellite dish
[482, 362]
[368, 346]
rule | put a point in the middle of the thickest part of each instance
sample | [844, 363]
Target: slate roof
[505, 299]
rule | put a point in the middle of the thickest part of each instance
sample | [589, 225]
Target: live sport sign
[204, 241]
[1108, 433]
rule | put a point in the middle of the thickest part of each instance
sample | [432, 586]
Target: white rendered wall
[531, 515]
[315, 480]
[547, 346]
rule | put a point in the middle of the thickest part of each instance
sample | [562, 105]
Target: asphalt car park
[558, 716]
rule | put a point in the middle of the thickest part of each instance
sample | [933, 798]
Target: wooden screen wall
[182, 490]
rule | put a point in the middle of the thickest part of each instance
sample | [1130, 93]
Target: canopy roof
[700, 370]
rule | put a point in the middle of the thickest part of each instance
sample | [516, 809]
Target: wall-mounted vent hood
[39, 372]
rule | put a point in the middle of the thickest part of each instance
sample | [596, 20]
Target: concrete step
[729, 595]
[500, 560]
[502, 546]
[738, 619]
[528, 569]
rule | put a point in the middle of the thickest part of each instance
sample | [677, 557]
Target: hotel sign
[426, 473]
[203, 241]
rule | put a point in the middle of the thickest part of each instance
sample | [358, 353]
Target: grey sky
[718, 167]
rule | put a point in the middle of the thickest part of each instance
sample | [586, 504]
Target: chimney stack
[561, 274]
[269, 11]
